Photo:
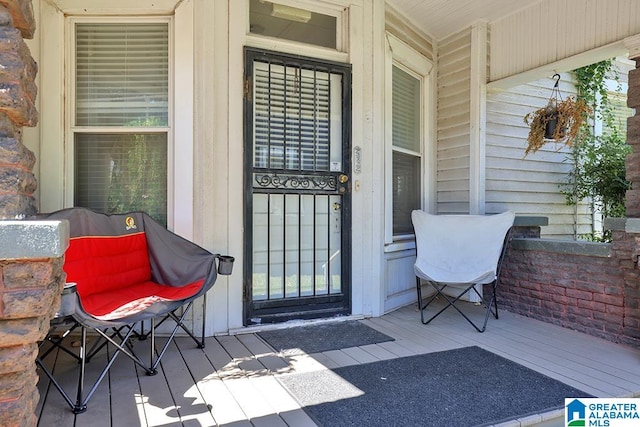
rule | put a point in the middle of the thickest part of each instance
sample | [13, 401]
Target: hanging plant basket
[559, 121]
[551, 125]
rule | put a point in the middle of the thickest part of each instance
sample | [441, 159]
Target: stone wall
[29, 296]
[17, 109]
[31, 252]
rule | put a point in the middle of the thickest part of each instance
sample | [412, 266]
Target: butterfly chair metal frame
[467, 288]
[162, 272]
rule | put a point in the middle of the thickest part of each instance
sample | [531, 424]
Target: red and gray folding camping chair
[126, 269]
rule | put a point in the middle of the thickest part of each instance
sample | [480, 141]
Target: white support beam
[576, 61]
[477, 149]
[633, 45]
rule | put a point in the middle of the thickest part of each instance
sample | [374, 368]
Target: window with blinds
[406, 149]
[121, 117]
[294, 110]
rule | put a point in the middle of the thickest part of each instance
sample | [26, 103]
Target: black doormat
[324, 337]
[463, 387]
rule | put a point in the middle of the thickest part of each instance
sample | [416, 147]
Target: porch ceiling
[441, 18]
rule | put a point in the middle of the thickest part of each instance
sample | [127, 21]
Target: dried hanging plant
[557, 121]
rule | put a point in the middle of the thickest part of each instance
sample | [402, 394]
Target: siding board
[396, 23]
[454, 115]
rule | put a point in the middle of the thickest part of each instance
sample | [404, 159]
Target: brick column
[31, 281]
[626, 243]
[633, 130]
[31, 252]
[17, 109]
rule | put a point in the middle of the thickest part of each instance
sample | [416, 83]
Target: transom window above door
[296, 24]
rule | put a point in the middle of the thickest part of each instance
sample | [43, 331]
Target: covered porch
[234, 380]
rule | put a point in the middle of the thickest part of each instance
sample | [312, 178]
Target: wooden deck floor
[233, 380]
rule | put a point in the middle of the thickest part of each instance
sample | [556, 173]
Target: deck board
[233, 381]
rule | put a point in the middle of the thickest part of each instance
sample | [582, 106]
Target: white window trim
[408, 59]
[56, 179]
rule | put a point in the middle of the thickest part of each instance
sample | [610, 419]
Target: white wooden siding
[454, 115]
[397, 24]
[400, 279]
[553, 30]
[528, 185]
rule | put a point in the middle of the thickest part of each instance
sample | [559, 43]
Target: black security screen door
[297, 185]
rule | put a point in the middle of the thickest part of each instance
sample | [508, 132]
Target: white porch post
[477, 119]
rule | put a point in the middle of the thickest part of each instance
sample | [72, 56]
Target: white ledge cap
[33, 239]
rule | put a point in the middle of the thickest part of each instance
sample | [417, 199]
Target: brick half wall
[577, 285]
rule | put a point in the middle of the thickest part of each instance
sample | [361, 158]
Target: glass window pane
[292, 244]
[406, 191]
[116, 173]
[291, 23]
[321, 238]
[335, 245]
[276, 246]
[307, 231]
[260, 246]
[406, 110]
[295, 118]
[122, 74]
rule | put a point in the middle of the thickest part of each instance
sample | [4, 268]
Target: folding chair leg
[452, 301]
[495, 298]
[179, 324]
[204, 319]
[57, 342]
[79, 405]
[422, 307]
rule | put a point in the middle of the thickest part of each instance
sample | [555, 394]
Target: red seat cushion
[113, 276]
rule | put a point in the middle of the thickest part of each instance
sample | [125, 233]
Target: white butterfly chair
[460, 252]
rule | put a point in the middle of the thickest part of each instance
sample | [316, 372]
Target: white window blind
[406, 150]
[121, 73]
[294, 110]
[406, 110]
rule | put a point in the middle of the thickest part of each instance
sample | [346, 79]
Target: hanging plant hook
[555, 92]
